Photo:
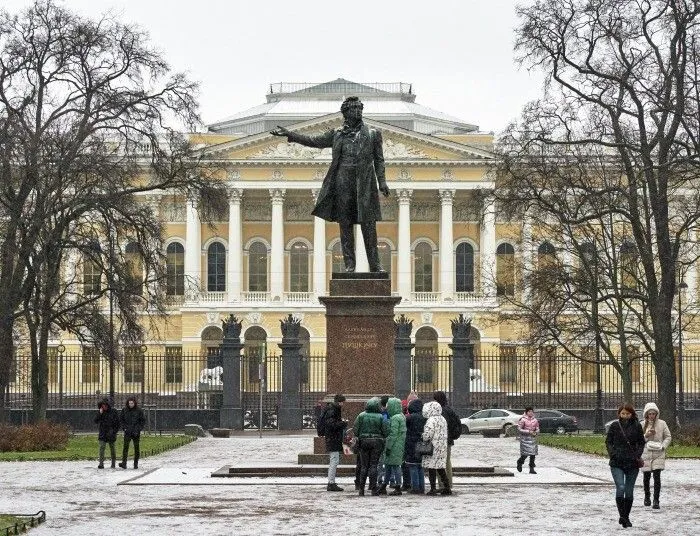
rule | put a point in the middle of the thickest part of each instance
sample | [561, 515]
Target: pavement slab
[80, 499]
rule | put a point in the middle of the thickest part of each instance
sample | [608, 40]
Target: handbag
[424, 448]
[655, 445]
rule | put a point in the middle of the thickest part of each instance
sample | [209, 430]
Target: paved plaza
[173, 494]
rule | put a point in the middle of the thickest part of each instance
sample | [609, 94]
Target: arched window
[505, 270]
[212, 336]
[299, 267]
[254, 349]
[384, 250]
[337, 263]
[464, 264]
[257, 267]
[426, 355]
[423, 268]
[546, 256]
[628, 265]
[216, 267]
[134, 261]
[175, 269]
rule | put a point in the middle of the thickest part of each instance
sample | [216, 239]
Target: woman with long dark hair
[625, 444]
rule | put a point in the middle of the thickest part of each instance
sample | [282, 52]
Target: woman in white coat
[435, 430]
[657, 437]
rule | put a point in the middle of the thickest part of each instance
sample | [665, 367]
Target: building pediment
[400, 145]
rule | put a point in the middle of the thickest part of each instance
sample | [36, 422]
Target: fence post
[402, 356]
[462, 361]
[231, 413]
[289, 416]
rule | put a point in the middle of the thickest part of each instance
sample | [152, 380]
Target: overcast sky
[458, 54]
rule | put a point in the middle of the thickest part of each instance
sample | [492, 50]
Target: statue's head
[352, 110]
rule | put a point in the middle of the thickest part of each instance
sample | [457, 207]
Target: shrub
[33, 437]
[688, 436]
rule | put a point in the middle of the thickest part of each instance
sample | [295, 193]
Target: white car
[490, 420]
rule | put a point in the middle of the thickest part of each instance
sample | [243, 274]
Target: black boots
[397, 491]
[647, 498]
[521, 460]
[122, 465]
[333, 487]
[624, 506]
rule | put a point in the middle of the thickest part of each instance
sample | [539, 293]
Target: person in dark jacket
[454, 429]
[415, 422]
[371, 429]
[334, 431]
[625, 444]
[133, 421]
[107, 420]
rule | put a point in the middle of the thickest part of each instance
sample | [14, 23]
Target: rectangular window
[133, 365]
[91, 364]
[635, 363]
[52, 357]
[508, 364]
[588, 366]
[548, 364]
[173, 364]
[92, 277]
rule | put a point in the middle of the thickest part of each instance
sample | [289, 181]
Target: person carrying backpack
[333, 427]
[454, 429]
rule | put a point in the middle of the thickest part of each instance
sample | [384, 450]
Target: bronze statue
[349, 193]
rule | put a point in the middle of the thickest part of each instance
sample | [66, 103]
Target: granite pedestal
[360, 336]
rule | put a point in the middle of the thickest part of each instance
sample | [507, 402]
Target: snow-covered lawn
[81, 500]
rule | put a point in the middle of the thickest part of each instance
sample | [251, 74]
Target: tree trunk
[7, 351]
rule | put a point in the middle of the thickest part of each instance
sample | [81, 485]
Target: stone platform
[472, 468]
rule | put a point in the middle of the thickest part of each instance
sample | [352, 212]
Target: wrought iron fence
[173, 380]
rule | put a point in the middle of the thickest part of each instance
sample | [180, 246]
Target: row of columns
[235, 259]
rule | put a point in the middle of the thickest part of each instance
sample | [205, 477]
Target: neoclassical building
[270, 257]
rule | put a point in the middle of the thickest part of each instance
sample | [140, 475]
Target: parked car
[555, 422]
[490, 420]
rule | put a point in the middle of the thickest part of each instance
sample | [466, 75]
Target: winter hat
[339, 398]
[411, 396]
[650, 406]
[440, 397]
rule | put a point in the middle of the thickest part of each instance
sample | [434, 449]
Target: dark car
[555, 422]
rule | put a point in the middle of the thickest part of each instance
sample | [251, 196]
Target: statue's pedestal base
[360, 336]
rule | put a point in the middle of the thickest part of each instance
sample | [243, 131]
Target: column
[319, 266]
[361, 261]
[488, 248]
[403, 268]
[526, 247]
[447, 258]
[277, 245]
[193, 251]
[235, 246]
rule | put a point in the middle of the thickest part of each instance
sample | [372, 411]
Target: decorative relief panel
[465, 211]
[213, 317]
[404, 175]
[173, 211]
[426, 317]
[277, 175]
[234, 175]
[399, 150]
[447, 175]
[390, 210]
[254, 318]
[298, 210]
[425, 211]
[292, 151]
[257, 210]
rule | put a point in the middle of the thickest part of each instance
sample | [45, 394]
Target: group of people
[131, 419]
[633, 446]
[387, 433]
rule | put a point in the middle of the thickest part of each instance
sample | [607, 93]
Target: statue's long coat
[370, 171]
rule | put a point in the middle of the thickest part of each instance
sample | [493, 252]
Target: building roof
[392, 103]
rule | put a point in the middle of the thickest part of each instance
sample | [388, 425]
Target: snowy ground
[79, 499]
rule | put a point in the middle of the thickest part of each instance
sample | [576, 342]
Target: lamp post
[681, 392]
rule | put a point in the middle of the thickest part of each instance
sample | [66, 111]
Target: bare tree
[89, 115]
[611, 150]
